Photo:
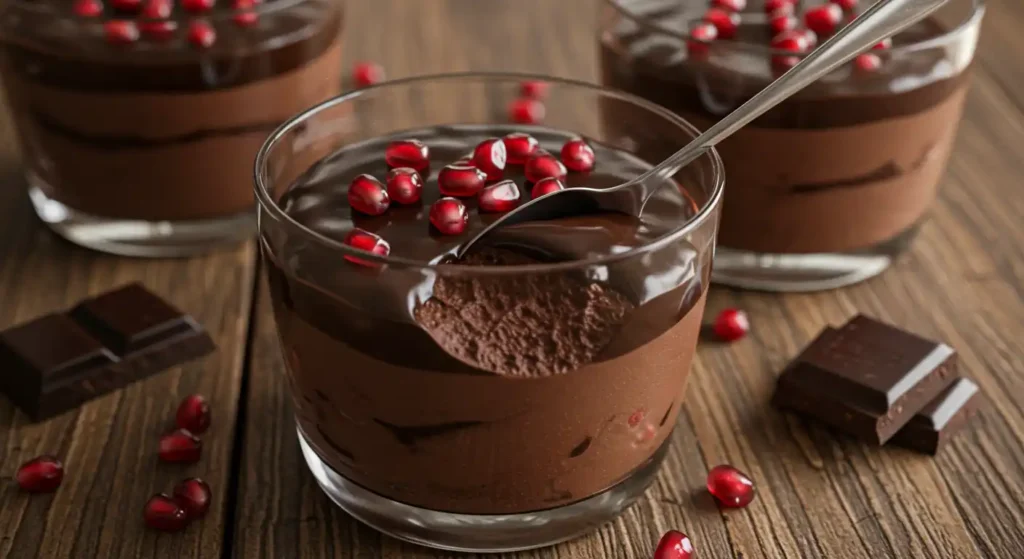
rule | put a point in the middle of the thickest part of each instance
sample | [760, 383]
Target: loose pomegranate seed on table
[867, 62]
[367, 73]
[88, 8]
[201, 34]
[449, 216]
[490, 156]
[193, 495]
[734, 5]
[165, 514]
[544, 165]
[197, 6]
[730, 487]
[193, 414]
[408, 153]
[42, 474]
[367, 195]
[674, 545]
[367, 241]
[526, 111]
[519, 148]
[823, 19]
[404, 185]
[577, 155]
[546, 186]
[725, 22]
[461, 181]
[700, 36]
[534, 89]
[499, 197]
[120, 32]
[180, 446]
[731, 325]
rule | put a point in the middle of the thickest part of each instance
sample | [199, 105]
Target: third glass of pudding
[830, 186]
[522, 394]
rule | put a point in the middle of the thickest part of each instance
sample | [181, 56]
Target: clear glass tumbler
[425, 446]
[829, 187]
[138, 128]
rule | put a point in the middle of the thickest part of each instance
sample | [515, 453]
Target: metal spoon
[884, 19]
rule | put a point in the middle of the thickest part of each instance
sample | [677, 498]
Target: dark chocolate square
[130, 318]
[941, 419]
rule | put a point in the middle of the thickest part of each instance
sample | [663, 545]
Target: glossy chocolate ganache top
[506, 321]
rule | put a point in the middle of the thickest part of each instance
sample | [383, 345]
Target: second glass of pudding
[830, 186]
[139, 119]
[526, 393]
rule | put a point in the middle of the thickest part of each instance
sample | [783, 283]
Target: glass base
[477, 532]
[127, 237]
[805, 272]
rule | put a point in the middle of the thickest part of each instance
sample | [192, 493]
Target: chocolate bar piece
[59, 361]
[866, 378]
[941, 419]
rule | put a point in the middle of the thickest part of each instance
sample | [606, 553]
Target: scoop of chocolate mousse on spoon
[883, 20]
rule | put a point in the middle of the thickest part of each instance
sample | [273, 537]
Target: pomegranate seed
[782, 20]
[449, 216]
[793, 41]
[193, 495]
[408, 153]
[369, 242]
[126, 5]
[701, 34]
[543, 165]
[519, 147]
[180, 446]
[193, 414]
[405, 185]
[846, 4]
[120, 32]
[367, 195]
[731, 325]
[823, 19]
[674, 545]
[782, 64]
[534, 89]
[730, 487]
[42, 474]
[246, 19]
[732, 5]
[526, 111]
[197, 6]
[88, 8]
[367, 73]
[810, 37]
[499, 197]
[577, 155]
[884, 44]
[157, 9]
[164, 514]
[201, 34]
[867, 62]
[490, 156]
[461, 181]
[546, 186]
[158, 30]
[725, 21]
[771, 6]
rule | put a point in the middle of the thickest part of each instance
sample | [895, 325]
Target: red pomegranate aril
[781, 21]
[730, 487]
[201, 34]
[732, 5]
[846, 4]
[461, 181]
[449, 216]
[577, 155]
[546, 186]
[519, 148]
[526, 111]
[366, 241]
[823, 19]
[88, 8]
[771, 6]
[674, 545]
[544, 165]
[157, 9]
[731, 325]
[408, 153]
[197, 6]
[725, 21]
[120, 32]
[700, 36]
[130, 6]
[165, 514]
[405, 185]
[246, 19]
[180, 446]
[193, 414]
[795, 40]
[499, 197]
[42, 474]
[782, 64]
[367, 196]
[490, 157]
[884, 44]
[534, 89]
[367, 73]
[158, 30]
[193, 495]
[867, 62]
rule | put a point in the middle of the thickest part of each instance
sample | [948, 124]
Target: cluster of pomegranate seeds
[577, 155]
[489, 156]
[449, 216]
[193, 414]
[526, 110]
[674, 545]
[731, 325]
[368, 196]
[499, 197]
[367, 73]
[730, 487]
[408, 153]
[519, 148]
[405, 185]
[546, 186]
[544, 165]
[461, 181]
[40, 475]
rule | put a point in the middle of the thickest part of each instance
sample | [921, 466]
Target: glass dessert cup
[401, 423]
[828, 188]
[138, 129]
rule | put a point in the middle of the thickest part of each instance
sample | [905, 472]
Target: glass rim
[67, 12]
[269, 205]
[972, 18]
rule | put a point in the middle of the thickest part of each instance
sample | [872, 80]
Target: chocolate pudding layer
[161, 127]
[517, 379]
[850, 163]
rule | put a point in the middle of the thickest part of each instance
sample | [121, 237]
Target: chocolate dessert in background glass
[526, 393]
[139, 119]
[830, 186]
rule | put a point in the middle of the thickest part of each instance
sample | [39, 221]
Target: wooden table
[820, 495]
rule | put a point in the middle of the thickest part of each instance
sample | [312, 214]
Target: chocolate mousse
[850, 163]
[543, 368]
[154, 109]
